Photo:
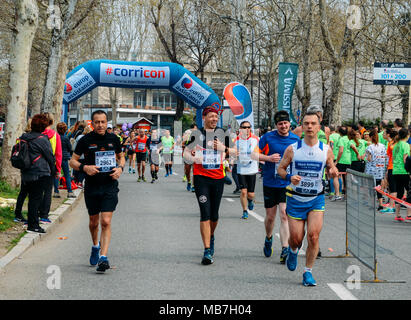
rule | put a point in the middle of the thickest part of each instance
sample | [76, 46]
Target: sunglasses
[245, 127]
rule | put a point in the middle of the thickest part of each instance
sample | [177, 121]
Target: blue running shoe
[171, 171]
[188, 187]
[95, 255]
[292, 260]
[308, 280]
[207, 258]
[103, 264]
[250, 204]
[245, 215]
[192, 189]
[284, 254]
[45, 220]
[212, 245]
[166, 175]
[268, 247]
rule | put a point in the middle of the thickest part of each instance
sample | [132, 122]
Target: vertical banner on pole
[239, 100]
[287, 76]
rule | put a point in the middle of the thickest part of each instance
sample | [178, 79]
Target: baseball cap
[315, 109]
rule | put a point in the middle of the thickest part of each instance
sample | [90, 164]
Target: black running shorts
[101, 198]
[141, 156]
[247, 182]
[273, 196]
[209, 193]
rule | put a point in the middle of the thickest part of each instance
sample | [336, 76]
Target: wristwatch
[122, 168]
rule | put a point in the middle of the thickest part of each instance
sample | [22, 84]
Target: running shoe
[292, 260]
[171, 171]
[185, 178]
[192, 189]
[388, 210]
[330, 195]
[212, 245]
[56, 195]
[250, 204]
[129, 170]
[71, 195]
[386, 204]
[152, 180]
[407, 218]
[144, 179]
[22, 220]
[308, 280]
[245, 215]
[134, 171]
[188, 186]
[36, 230]
[166, 175]
[268, 247]
[283, 255]
[207, 258]
[95, 255]
[318, 254]
[156, 176]
[139, 179]
[399, 218]
[103, 265]
[45, 220]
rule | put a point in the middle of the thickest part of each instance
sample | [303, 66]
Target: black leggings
[209, 193]
[401, 183]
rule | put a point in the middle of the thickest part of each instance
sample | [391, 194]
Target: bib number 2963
[106, 160]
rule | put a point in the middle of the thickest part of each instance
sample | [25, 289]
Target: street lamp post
[355, 53]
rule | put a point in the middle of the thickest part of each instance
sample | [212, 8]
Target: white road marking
[341, 291]
[229, 200]
[256, 215]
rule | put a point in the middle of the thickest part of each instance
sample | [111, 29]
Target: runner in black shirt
[102, 151]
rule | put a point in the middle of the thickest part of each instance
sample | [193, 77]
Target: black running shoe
[36, 230]
[319, 254]
[207, 258]
[103, 265]
[284, 254]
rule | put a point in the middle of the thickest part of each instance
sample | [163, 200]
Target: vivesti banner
[191, 90]
[77, 84]
[239, 100]
[287, 76]
[134, 75]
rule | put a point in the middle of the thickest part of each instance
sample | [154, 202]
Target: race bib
[309, 183]
[211, 159]
[141, 146]
[106, 160]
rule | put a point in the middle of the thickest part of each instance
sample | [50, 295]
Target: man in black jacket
[42, 167]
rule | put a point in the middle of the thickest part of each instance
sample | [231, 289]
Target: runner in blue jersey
[271, 148]
[305, 195]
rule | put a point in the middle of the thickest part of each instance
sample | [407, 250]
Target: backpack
[20, 155]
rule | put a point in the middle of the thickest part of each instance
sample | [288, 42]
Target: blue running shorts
[299, 210]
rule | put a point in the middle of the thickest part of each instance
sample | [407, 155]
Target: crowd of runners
[299, 168]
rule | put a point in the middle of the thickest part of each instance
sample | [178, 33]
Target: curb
[30, 239]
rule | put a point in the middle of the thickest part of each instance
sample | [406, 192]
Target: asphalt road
[156, 251]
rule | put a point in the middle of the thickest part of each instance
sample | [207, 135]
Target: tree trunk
[337, 85]
[26, 25]
[179, 109]
[58, 97]
[58, 39]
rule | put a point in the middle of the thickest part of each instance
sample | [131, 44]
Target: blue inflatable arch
[148, 75]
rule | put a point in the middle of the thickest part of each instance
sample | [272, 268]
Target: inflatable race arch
[146, 75]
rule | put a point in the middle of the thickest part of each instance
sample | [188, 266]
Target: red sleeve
[59, 153]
